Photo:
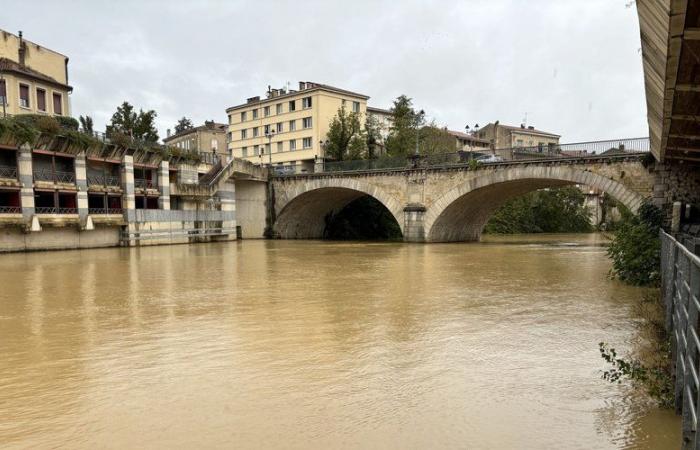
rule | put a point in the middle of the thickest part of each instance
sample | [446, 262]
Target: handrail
[55, 210]
[517, 154]
[8, 172]
[56, 176]
[680, 287]
[10, 209]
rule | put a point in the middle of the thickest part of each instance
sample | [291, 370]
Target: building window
[306, 143]
[279, 127]
[256, 132]
[306, 122]
[292, 125]
[244, 134]
[266, 111]
[255, 113]
[278, 108]
[3, 93]
[356, 107]
[41, 99]
[293, 105]
[280, 148]
[306, 102]
[243, 116]
[293, 144]
[267, 130]
[244, 152]
[57, 104]
[24, 95]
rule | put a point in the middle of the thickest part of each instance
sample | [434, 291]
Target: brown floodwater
[301, 344]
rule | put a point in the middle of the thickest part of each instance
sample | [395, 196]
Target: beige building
[33, 79]
[288, 128]
[505, 136]
[207, 138]
[466, 142]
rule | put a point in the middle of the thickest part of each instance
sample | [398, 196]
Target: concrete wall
[251, 208]
[15, 240]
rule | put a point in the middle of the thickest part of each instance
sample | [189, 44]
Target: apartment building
[33, 79]
[288, 128]
[207, 139]
[467, 142]
[506, 136]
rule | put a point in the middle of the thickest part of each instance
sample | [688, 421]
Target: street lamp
[269, 134]
[4, 94]
[419, 121]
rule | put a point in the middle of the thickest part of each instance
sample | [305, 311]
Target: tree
[345, 136]
[86, 124]
[433, 139]
[139, 125]
[402, 135]
[373, 135]
[183, 124]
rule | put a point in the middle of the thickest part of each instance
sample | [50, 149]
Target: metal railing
[100, 180]
[10, 210]
[55, 210]
[105, 211]
[140, 183]
[680, 287]
[600, 149]
[8, 172]
[54, 176]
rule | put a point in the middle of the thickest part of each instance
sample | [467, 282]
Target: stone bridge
[447, 204]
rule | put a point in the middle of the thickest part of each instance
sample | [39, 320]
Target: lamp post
[4, 94]
[323, 145]
[419, 122]
[269, 135]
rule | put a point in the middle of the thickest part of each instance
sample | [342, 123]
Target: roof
[380, 111]
[216, 127]
[468, 137]
[314, 87]
[528, 130]
[9, 66]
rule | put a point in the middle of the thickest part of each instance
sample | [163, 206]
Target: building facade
[33, 79]
[505, 136]
[288, 128]
[207, 139]
[465, 142]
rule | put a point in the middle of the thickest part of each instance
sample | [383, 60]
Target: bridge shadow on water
[363, 219]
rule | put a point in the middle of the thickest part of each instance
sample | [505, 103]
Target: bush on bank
[636, 247]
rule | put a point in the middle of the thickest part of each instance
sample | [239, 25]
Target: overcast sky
[573, 67]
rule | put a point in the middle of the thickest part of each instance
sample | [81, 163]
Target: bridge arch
[462, 212]
[302, 211]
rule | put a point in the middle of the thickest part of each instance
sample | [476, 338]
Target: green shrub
[635, 249]
[21, 132]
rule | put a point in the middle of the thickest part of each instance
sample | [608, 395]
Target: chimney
[530, 128]
[209, 123]
[302, 85]
[22, 50]
[522, 125]
[167, 132]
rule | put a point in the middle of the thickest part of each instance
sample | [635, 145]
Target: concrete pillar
[227, 196]
[676, 217]
[81, 183]
[164, 185]
[26, 178]
[414, 227]
[129, 198]
[318, 165]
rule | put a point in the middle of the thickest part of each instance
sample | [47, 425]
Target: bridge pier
[414, 223]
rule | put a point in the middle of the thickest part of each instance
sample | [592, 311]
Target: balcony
[105, 211]
[103, 181]
[8, 172]
[141, 183]
[52, 176]
[10, 210]
[55, 210]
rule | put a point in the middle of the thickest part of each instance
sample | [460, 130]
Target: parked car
[489, 159]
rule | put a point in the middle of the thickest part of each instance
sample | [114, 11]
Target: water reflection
[282, 344]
